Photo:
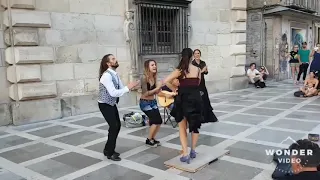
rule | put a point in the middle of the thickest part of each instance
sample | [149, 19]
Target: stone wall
[5, 115]
[219, 31]
[57, 48]
[255, 37]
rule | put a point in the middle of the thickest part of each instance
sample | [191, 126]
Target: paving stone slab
[294, 124]
[243, 102]
[80, 138]
[263, 111]
[224, 170]
[304, 115]
[251, 151]
[314, 108]
[223, 128]
[14, 140]
[246, 119]
[29, 152]
[275, 136]
[154, 157]
[163, 132]
[227, 108]
[291, 100]
[203, 140]
[123, 145]
[90, 121]
[51, 131]
[257, 98]
[7, 175]
[30, 126]
[52, 169]
[277, 105]
[115, 172]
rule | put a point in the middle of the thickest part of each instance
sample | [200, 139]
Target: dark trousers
[111, 115]
[303, 69]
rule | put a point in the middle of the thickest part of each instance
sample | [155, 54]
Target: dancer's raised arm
[174, 75]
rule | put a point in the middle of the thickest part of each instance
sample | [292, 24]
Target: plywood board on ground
[205, 155]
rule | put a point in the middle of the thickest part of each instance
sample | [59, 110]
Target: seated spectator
[304, 165]
[264, 72]
[255, 77]
[310, 85]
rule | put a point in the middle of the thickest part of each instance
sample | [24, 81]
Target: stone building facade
[51, 49]
[275, 26]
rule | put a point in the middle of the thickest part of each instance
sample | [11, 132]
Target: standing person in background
[110, 89]
[294, 62]
[208, 114]
[304, 58]
[315, 64]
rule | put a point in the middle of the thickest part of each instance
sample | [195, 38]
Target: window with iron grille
[162, 28]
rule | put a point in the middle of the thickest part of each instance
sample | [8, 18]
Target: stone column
[29, 93]
[238, 46]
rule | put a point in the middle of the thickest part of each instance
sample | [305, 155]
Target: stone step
[19, 4]
[27, 18]
[29, 55]
[32, 91]
[238, 4]
[24, 73]
[22, 37]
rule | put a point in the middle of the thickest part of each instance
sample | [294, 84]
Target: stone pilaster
[238, 43]
[25, 56]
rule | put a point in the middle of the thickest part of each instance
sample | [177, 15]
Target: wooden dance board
[205, 155]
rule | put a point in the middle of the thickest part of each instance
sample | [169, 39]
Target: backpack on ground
[298, 94]
[134, 120]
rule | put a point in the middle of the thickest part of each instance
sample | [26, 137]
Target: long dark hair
[147, 72]
[183, 66]
[104, 65]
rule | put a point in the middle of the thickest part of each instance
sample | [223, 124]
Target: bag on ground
[133, 120]
[298, 94]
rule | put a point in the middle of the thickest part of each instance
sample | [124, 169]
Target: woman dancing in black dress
[208, 114]
[187, 103]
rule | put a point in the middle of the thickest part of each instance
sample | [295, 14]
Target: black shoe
[114, 158]
[157, 142]
[151, 143]
[107, 154]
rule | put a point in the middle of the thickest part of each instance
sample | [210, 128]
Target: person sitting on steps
[255, 77]
[310, 86]
[264, 72]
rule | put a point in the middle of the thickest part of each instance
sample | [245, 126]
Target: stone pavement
[251, 122]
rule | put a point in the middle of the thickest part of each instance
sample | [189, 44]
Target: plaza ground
[251, 121]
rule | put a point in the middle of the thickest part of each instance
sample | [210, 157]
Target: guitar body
[165, 101]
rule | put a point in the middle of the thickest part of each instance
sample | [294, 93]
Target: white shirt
[252, 73]
[106, 80]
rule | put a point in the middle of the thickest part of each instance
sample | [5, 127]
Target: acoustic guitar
[165, 101]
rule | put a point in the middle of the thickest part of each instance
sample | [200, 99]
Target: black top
[149, 88]
[201, 65]
[293, 57]
[166, 88]
[304, 176]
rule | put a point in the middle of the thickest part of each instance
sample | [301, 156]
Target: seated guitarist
[171, 87]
